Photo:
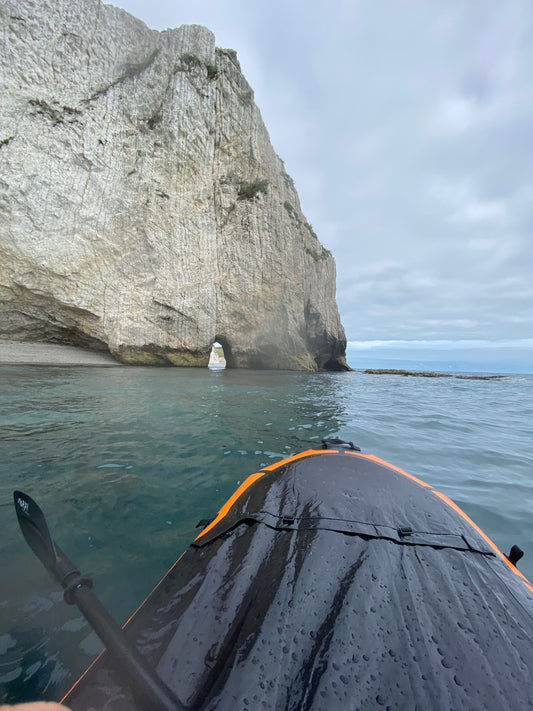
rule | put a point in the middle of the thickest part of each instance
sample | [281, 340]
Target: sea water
[125, 461]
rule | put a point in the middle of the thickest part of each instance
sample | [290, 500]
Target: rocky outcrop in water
[143, 209]
[429, 374]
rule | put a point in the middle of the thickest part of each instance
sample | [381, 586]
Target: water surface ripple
[125, 461]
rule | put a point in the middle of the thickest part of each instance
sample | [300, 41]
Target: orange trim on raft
[373, 458]
[498, 552]
[252, 479]
[456, 508]
[91, 665]
[229, 503]
[130, 618]
[307, 453]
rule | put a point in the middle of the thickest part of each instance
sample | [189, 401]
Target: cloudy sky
[407, 128]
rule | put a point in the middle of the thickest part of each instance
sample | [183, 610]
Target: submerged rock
[143, 210]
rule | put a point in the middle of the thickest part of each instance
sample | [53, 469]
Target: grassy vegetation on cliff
[248, 191]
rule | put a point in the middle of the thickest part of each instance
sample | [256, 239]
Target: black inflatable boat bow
[331, 579]
[149, 689]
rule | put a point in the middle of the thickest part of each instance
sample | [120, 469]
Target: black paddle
[148, 688]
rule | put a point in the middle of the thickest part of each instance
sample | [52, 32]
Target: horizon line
[442, 344]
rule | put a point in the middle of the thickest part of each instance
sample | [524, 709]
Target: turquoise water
[125, 461]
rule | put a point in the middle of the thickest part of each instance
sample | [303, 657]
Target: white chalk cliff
[143, 209]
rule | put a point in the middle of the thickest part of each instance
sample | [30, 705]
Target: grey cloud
[407, 129]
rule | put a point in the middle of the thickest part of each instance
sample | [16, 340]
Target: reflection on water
[125, 461]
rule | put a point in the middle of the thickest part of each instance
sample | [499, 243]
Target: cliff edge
[143, 210]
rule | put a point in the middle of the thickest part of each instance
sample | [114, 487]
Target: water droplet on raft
[458, 681]
[381, 700]
[344, 679]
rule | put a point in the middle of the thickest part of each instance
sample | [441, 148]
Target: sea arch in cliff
[144, 209]
[220, 353]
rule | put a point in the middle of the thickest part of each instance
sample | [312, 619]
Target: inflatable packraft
[332, 580]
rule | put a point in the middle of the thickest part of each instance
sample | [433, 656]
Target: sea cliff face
[143, 209]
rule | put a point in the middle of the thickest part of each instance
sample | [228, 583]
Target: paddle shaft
[149, 689]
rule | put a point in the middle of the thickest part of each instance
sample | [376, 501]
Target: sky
[407, 128]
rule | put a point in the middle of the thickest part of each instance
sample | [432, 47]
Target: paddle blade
[35, 529]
